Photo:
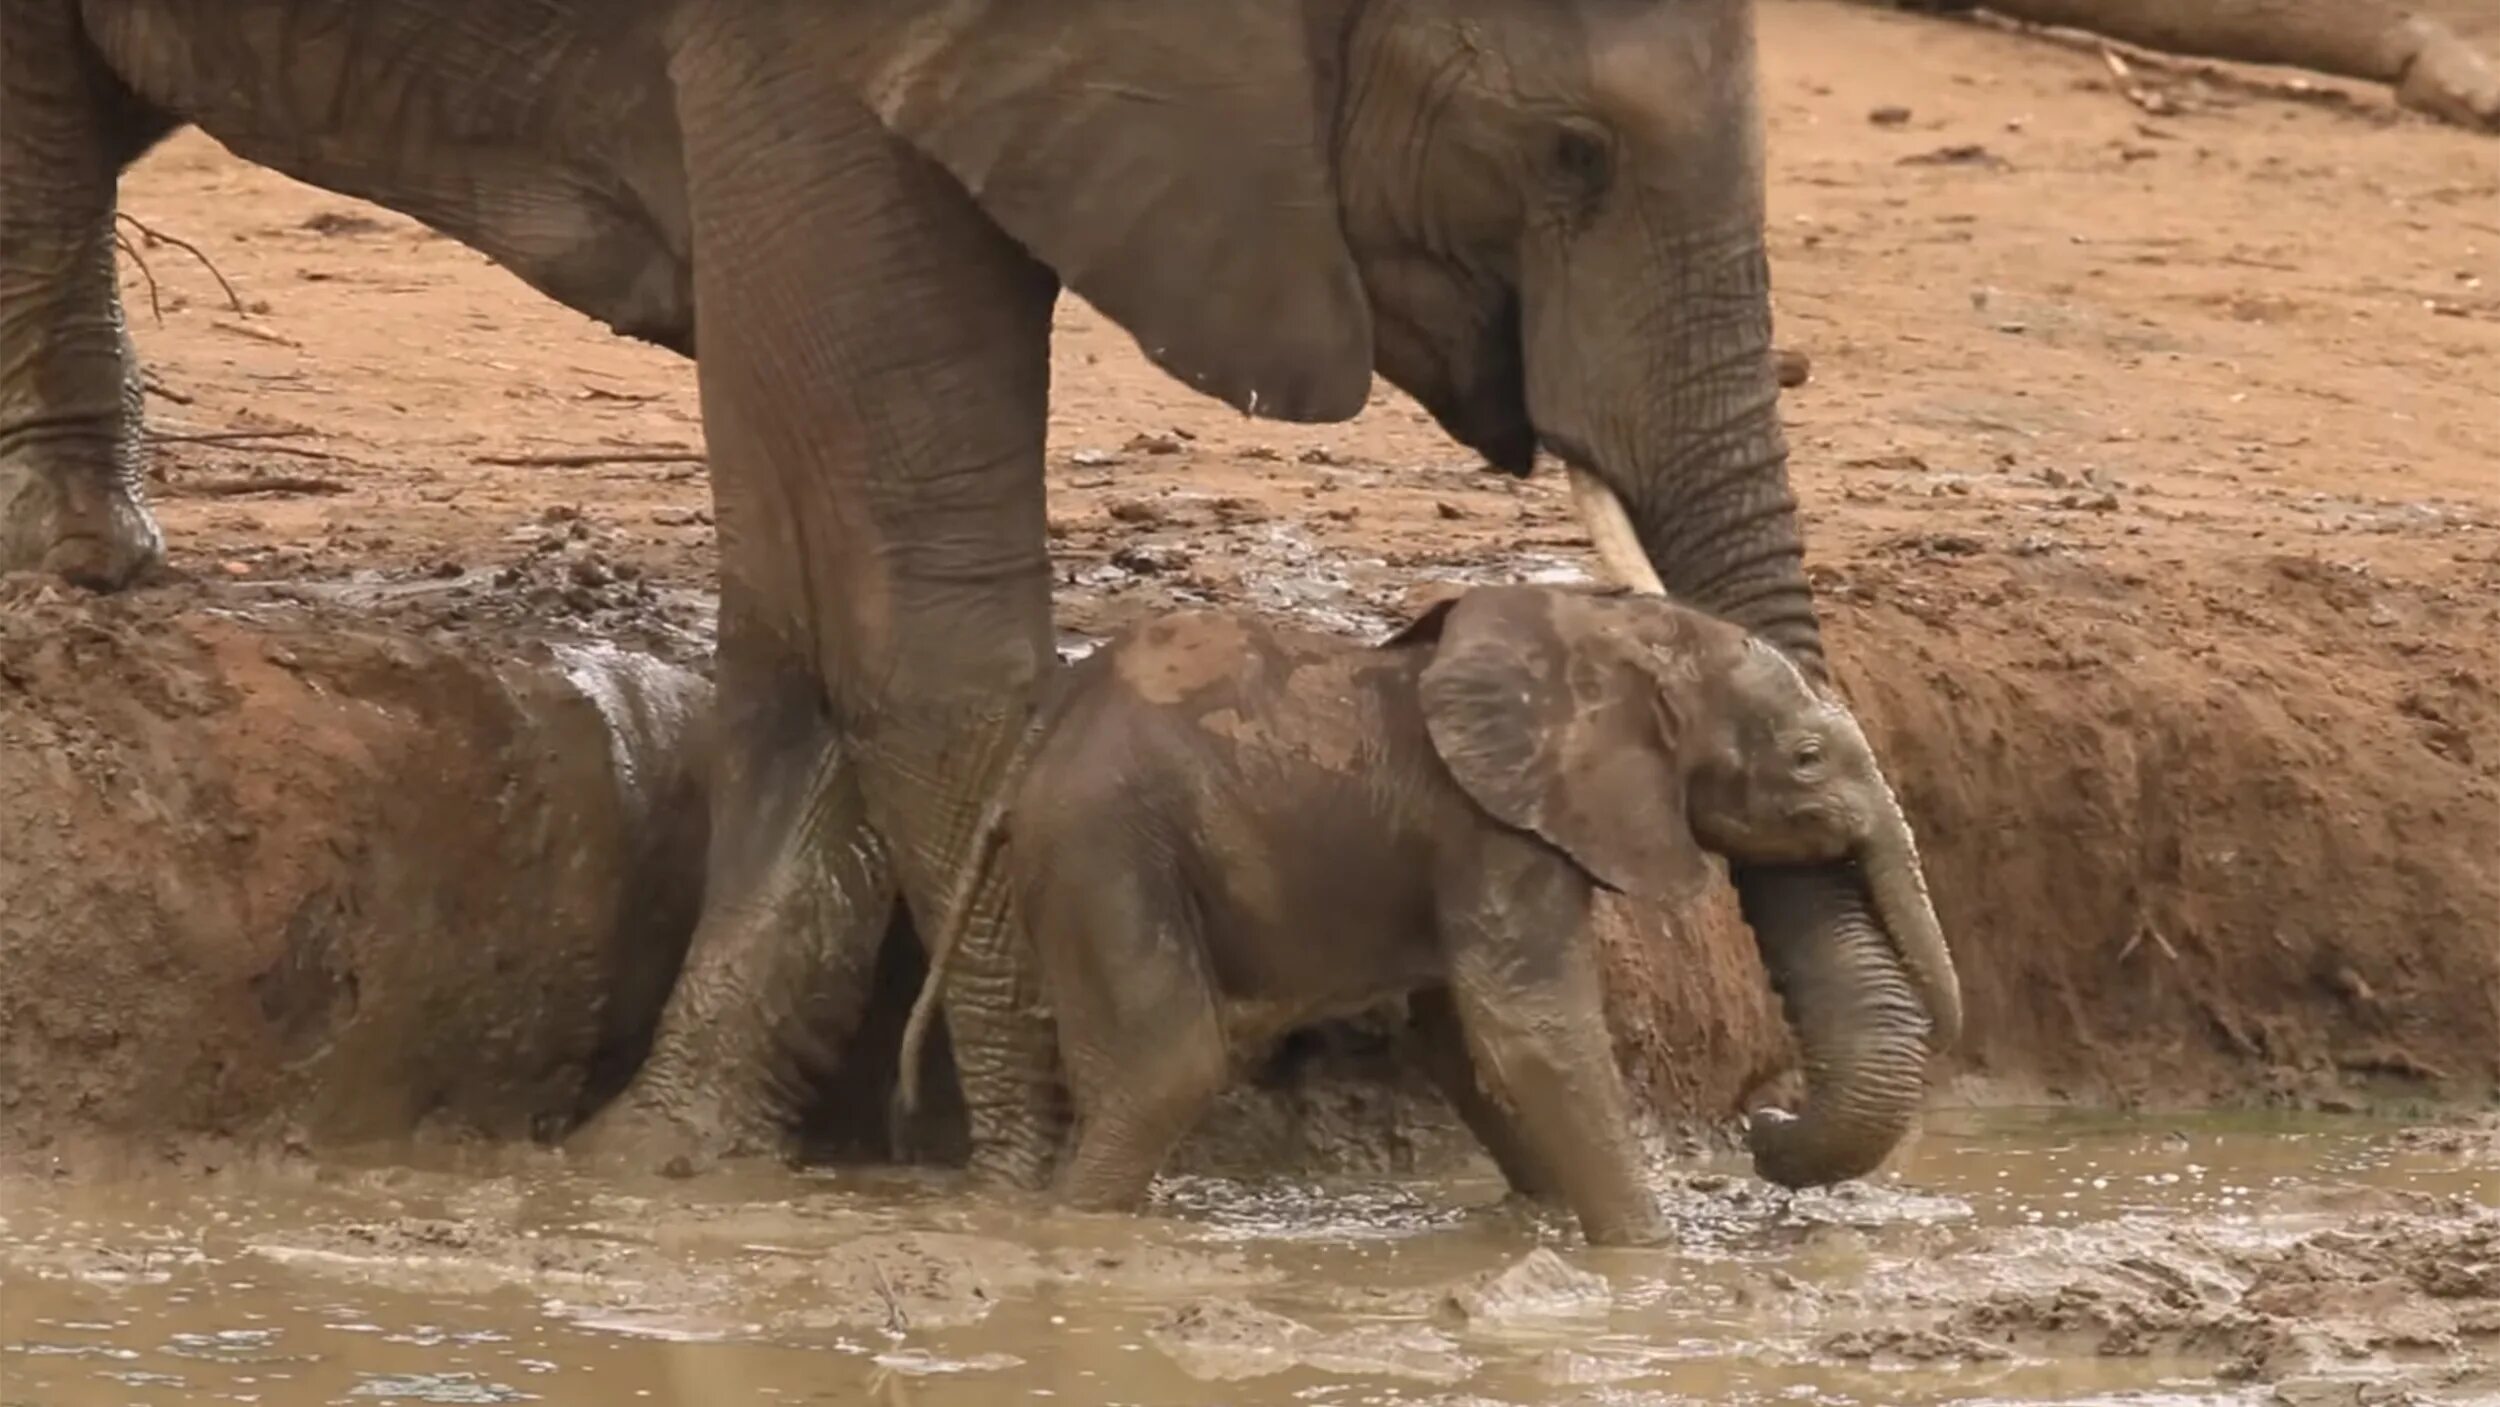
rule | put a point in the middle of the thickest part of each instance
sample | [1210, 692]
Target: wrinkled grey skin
[1542, 218]
[1229, 829]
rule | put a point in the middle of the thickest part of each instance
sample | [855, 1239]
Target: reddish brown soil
[2148, 463]
[275, 874]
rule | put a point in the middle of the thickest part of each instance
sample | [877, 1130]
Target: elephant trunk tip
[1791, 1152]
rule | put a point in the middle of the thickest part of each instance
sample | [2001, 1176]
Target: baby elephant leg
[1525, 983]
[1440, 1044]
[1139, 1034]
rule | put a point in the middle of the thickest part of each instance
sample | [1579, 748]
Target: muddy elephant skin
[1541, 218]
[1230, 828]
[281, 881]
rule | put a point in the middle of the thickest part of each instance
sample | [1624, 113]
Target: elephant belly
[545, 145]
[1269, 981]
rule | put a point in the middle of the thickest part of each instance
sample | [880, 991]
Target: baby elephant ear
[1536, 707]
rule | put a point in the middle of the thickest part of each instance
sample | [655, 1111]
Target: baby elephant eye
[1809, 753]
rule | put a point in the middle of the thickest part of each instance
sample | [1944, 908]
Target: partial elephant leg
[875, 382]
[1440, 1041]
[1144, 1044]
[798, 893]
[69, 389]
[1525, 981]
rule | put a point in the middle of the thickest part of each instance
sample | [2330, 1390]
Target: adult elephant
[1541, 218]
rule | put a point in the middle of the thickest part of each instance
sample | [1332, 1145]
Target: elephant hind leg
[69, 386]
[1169, 1065]
[1139, 1031]
[799, 896]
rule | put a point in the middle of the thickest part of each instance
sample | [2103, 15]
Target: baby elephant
[1225, 829]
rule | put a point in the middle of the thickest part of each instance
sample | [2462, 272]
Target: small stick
[274, 483]
[257, 334]
[896, 1321]
[219, 437]
[2131, 90]
[187, 247]
[300, 452]
[155, 386]
[594, 457]
[156, 305]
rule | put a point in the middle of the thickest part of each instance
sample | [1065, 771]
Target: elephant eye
[1583, 161]
[1809, 754]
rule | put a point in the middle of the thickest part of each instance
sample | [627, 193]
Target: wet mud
[2010, 1259]
[275, 877]
[321, 862]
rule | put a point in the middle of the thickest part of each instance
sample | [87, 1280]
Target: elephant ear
[1537, 707]
[1170, 161]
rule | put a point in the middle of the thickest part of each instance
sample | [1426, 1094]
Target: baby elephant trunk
[1862, 1028]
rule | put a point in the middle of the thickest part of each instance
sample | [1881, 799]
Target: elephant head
[1630, 733]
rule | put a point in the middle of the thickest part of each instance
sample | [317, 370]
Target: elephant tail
[987, 838]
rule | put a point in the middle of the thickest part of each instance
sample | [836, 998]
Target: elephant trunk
[1853, 946]
[1696, 482]
[1898, 883]
[1649, 368]
[1859, 1020]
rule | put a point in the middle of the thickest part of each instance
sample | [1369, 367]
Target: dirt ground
[2148, 471]
[275, 874]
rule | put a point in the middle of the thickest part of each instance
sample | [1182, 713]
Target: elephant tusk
[1610, 529]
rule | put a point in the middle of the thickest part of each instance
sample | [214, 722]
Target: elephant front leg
[874, 375]
[1525, 982]
[1440, 1044]
[69, 387]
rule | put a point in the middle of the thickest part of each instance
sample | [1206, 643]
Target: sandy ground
[2170, 346]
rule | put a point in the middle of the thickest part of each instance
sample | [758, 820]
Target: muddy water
[2010, 1259]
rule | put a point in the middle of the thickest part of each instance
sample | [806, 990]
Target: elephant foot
[1014, 1156]
[647, 1132]
[68, 520]
[798, 897]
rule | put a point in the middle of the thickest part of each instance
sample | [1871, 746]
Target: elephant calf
[1228, 828]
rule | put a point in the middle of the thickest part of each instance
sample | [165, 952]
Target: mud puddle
[2011, 1259]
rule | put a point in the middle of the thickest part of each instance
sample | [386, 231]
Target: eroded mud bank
[286, 872]
[281, 876]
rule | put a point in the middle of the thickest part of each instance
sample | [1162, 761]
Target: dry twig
[156, 305]
[156, 237]
[257, 334]
[223, 437]
[588, 458]
[266, 483]
[2134, 92]
[258, 441]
